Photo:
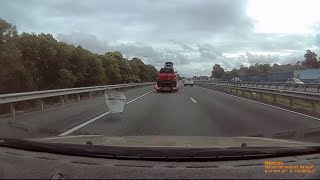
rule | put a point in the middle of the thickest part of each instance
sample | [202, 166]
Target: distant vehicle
[168, 65]
[236, 80]
[167, 79]
[188, 81]
[294, 81]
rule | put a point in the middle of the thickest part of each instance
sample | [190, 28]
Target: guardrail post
[62, 100]
[318, 87]
[251, 95]
[294, 87]
[277, 85]
[90, 95]
[274, 98]
[78, 97]
[256, 84]
[41, 104]
[13, 109]
[284, 86]
[305, 88]
[242, 92]
[262, 85]
[313, 104]
[268, 85]
[290, 102]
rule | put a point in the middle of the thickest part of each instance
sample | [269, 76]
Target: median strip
[98, 117]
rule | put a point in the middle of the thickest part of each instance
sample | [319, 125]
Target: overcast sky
[193, 34]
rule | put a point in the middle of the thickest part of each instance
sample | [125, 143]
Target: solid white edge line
[193, 100]
[98, 117]
[264, 104]
[268, 139]
[83, 124]
[62, 137]
[139, 97]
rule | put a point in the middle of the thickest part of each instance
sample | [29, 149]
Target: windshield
[119, 69]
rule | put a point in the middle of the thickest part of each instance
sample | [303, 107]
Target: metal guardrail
[313, 98]
[17, 97]
[313, 87]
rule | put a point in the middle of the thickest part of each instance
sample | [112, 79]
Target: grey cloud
[87, 41]
[317, 40]
[256, 58]
[208, 54]
[182, 45]
[139, 19]
[265, 42]
[208, 51]
[292, 58]
[155, 57]
[208, 28]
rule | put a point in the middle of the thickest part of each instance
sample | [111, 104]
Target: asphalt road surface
[192, 111]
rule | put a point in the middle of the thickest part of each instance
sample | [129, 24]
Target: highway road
[192, 111]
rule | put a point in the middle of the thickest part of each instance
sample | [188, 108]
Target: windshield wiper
[159, 153]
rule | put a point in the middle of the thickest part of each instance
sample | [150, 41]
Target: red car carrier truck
[167, 79]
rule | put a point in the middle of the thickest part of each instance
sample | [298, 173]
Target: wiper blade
[159, 153]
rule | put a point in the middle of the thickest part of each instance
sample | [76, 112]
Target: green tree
[48, 65]
[79, 64]
[13, 76]
[111, 69]
[29, 46]
[94, 72]
[217, 72]
[151, 72]
[39, 62]
[135, 72]
[310, 60]
[125, 70]
[66, 79]
[234, 73]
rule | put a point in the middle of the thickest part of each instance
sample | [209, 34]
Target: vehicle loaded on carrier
[167, 78]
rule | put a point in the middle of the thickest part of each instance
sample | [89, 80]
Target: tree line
[31, 62]
[310, 61]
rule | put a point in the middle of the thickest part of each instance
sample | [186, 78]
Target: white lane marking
[83, 124]
[98, 117]
[139, 97]
[318, 119]
[193, 100]
[62, 137]
[268, 139]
